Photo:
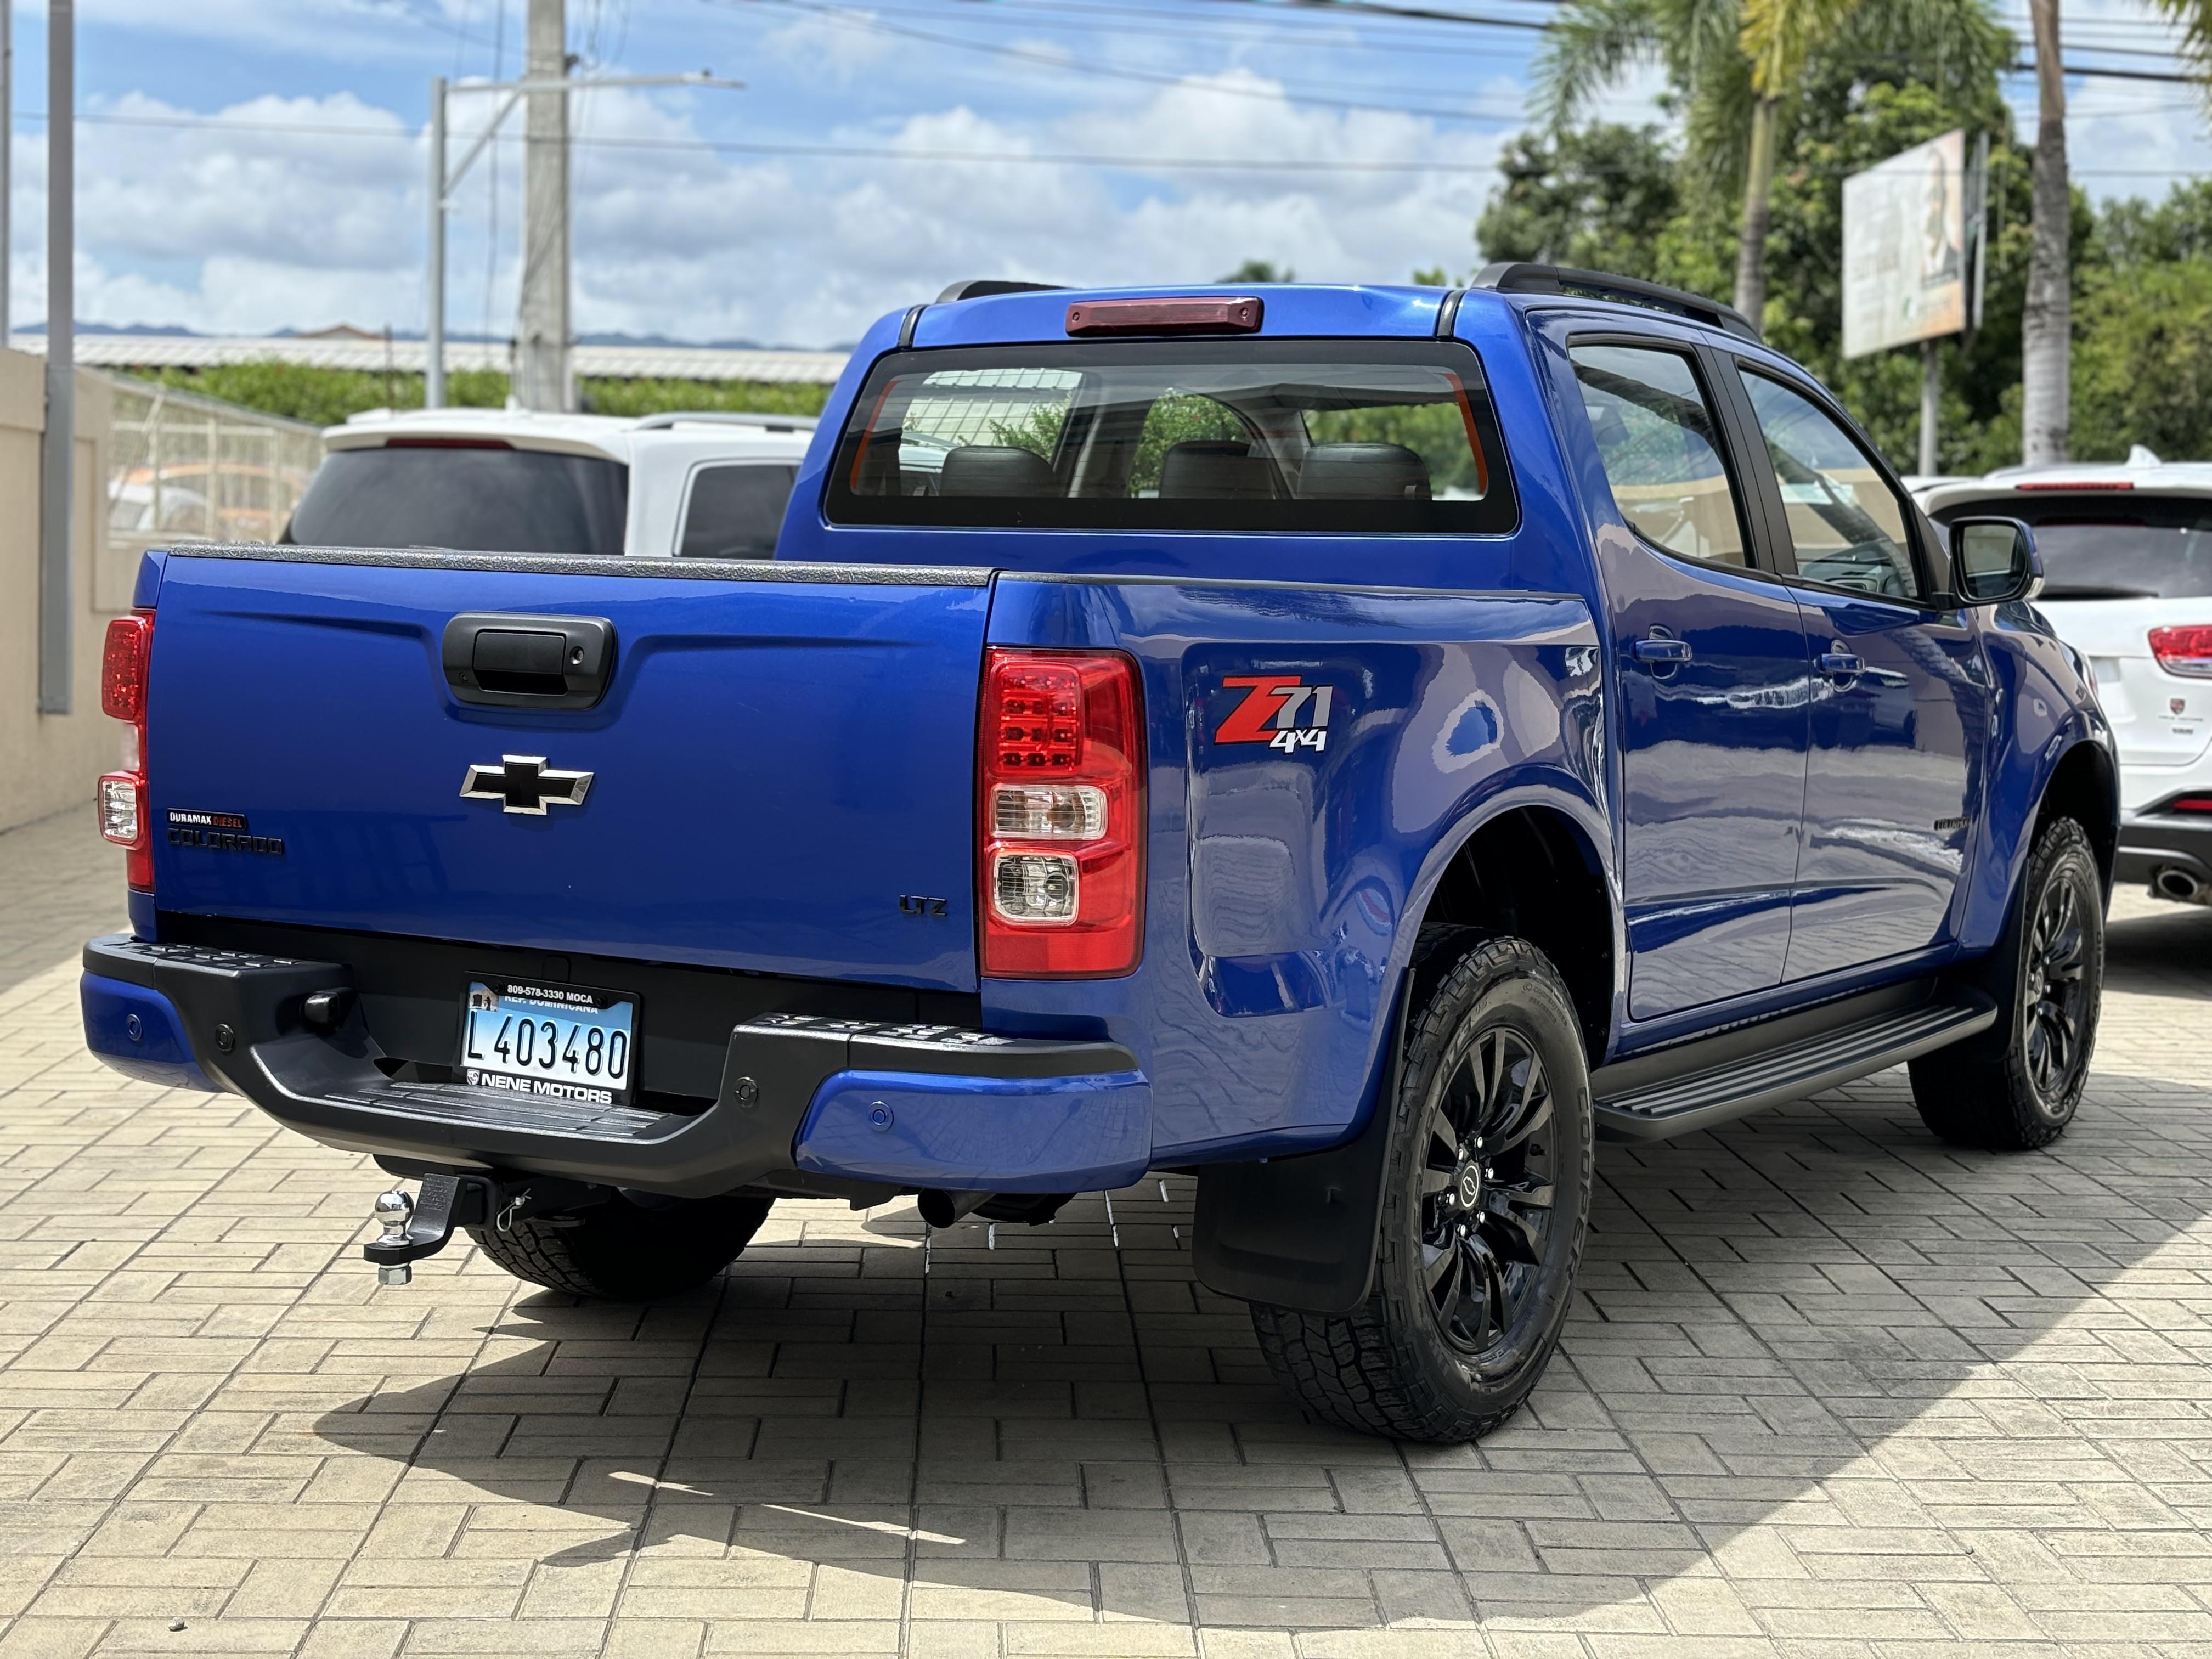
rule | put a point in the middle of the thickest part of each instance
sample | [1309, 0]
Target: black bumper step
[249, 1020]
[458, 1102]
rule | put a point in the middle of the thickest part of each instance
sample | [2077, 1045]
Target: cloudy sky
[251, 165]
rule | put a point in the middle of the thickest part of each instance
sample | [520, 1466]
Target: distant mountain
[341, 330]
[40, 327]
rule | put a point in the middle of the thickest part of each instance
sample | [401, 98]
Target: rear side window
[1657, 439]
[1367, 435]
[2112, 545]
[470, 498]
[735, 511]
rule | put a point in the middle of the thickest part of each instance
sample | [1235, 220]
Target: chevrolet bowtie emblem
[524, 783]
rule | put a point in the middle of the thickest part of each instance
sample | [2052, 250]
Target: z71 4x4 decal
[1281, 710]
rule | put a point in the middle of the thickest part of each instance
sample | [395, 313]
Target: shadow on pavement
[1814, 1346]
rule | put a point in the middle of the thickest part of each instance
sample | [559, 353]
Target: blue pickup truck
[1355, 746]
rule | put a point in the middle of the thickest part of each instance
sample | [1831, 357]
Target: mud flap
[1299, 1232]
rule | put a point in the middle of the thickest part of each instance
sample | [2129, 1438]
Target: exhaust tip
[942, 1209]
[2178, 885]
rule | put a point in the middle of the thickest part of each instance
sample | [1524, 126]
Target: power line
[861, 152]
[875, 24]
[1018, 158]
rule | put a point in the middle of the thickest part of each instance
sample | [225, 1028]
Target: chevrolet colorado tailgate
[779, 760]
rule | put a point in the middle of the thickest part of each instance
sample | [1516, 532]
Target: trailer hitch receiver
[417, 1227]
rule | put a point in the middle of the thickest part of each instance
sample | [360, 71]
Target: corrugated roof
[626, 362]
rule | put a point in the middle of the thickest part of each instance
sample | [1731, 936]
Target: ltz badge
[1281, 710]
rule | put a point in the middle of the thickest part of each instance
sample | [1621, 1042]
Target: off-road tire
[2001, 1089]
[1390, 1368]
[621, 1251]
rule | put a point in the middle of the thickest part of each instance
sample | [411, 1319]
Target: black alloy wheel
[1485, 1186]
[2017, 1085]
[2057, 991]
[1485, 1189]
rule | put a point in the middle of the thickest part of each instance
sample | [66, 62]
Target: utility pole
[2046, 322]
[56, 615]
[7, 154]
[444, 182]
[542, 380]
[1932, 404]
[433, 343]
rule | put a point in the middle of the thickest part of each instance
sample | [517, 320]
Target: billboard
[1906, 274]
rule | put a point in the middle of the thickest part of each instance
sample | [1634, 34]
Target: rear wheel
[627, 1249]
[1485, 1198]
[2017, 1085]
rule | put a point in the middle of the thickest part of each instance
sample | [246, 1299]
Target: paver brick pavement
[1832, 1390]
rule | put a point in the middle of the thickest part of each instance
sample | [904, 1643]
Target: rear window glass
[472, 499]
[735, 511]
[2111, 546]
[1167, 434]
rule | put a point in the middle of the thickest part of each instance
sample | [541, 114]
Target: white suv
[2127, 558]
[511, 481]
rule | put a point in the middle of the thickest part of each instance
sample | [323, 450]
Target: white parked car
[512, 480]
[2127, 558]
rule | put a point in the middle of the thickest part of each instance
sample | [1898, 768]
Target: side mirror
[1994, 560]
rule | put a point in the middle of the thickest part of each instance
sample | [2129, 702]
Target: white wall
[49, 761]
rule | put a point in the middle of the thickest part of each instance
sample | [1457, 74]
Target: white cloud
[829, 51]
[339, 31]
[249, 230]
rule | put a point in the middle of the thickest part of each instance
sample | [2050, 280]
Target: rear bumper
[909, 1105]
[2154, 841]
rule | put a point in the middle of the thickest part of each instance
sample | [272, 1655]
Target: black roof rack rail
[1519, 277]
[981, 288]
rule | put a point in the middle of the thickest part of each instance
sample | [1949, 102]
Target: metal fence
[189, 468]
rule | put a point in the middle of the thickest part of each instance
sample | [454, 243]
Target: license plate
[548, 1041]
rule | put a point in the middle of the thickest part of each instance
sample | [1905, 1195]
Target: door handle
[1657, 648]
[1841, 665]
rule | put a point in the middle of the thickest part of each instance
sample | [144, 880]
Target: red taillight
[2189, 804]
[1061, 815]
[2079, 484]
[122, 800]
[1192, 316]
[2186, 651]
[123, 666]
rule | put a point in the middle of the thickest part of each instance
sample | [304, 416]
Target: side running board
[1695, 1085]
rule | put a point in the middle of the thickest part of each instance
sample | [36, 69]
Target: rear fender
[1300, 1232]
[1288, 873]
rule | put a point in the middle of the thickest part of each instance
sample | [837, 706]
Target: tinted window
[735, 511]
[2109, 546]
[1846, 524]
[1371, 435]
[1656, 437]
[472, 499]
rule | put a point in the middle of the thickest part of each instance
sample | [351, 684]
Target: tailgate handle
[506, 660]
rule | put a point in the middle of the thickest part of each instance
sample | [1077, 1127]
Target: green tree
[326, 397]
[2142, 359]
[1739, 70]
[1597, 197]
[1260, 271]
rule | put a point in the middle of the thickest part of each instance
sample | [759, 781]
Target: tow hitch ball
[417, 1227]
[424, 1225]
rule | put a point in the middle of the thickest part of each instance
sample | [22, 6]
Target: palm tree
[2046, 321]
[1779, 39]
[1733, 65]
